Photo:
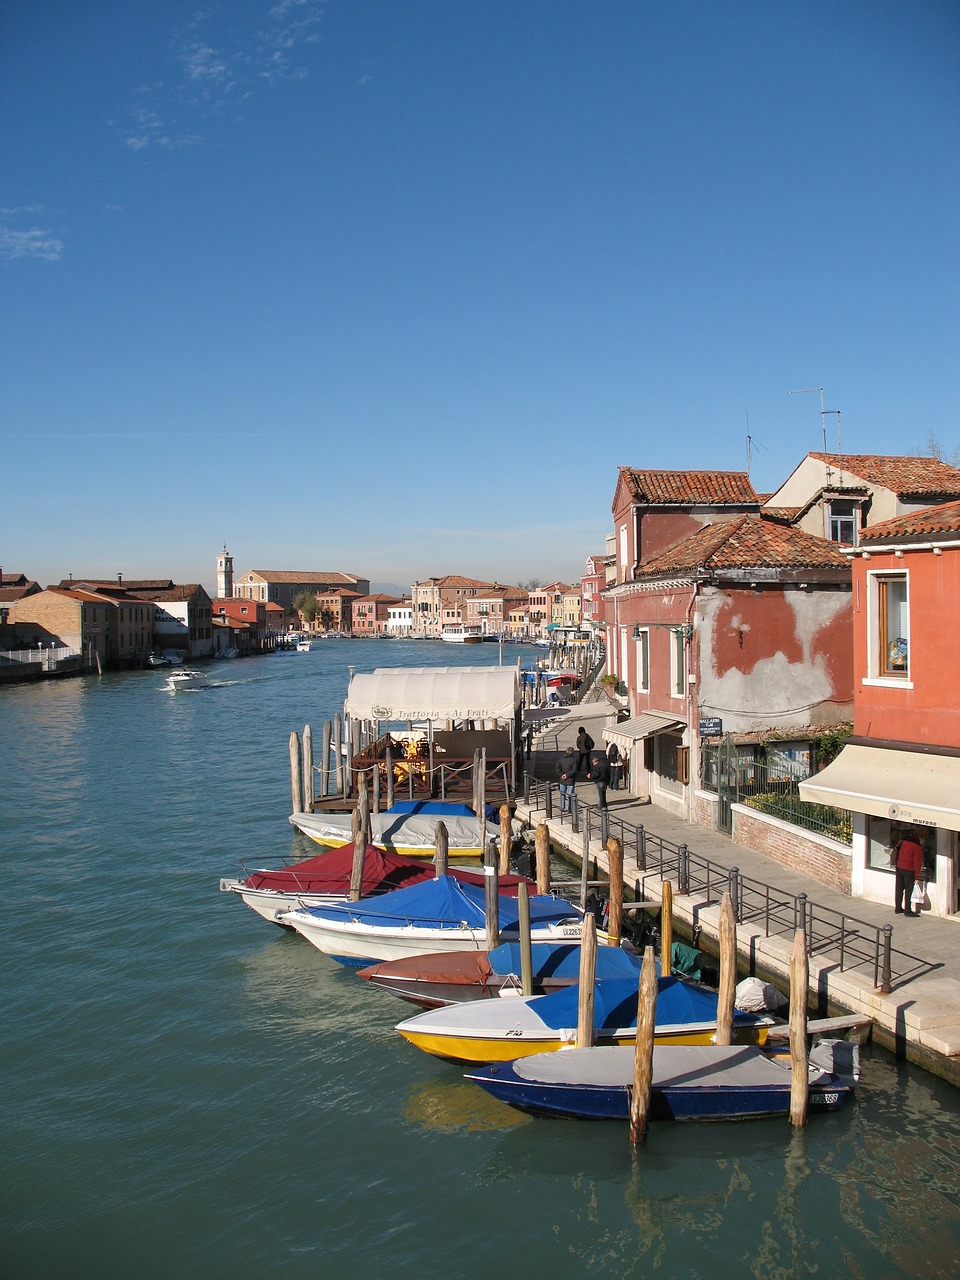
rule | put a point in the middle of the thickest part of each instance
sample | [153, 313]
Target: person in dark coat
[566, 771]
[599, 773]
[908, 863]
[616, 765]
[584, 747]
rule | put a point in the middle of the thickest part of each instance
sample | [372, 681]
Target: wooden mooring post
[325, 739]
[296, 772]
[506, 839]
[541, 845]
[361, 839]
[615, 863]
[441, 849]
[799, 1050]
[643, 1049]
[526, 946]
[666, 928]
[308, 786]
[588, 982]
[492, 897]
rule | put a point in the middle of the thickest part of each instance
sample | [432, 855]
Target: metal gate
[728, 783]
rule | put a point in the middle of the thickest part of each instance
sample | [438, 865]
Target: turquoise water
[189, 1091]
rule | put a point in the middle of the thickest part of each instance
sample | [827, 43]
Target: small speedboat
[501, 1030]
[304, 646]
[185, 680]
[159, 660]
[690, 1082]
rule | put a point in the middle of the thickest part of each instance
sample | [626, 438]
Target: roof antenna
[837, 412]
[803, 391]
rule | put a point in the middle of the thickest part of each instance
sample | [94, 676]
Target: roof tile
[747, 542]
[714, 488]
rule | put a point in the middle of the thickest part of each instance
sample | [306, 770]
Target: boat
[690, 1082]
[185, 679]
[501, 1030]
[159, 660]
[408, 828]
[439, 915]
[325, 879]
[454, 977]
[304, 646]
[460, 634]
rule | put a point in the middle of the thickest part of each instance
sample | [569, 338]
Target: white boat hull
[272, 904]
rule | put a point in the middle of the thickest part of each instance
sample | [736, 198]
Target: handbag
[918, 893]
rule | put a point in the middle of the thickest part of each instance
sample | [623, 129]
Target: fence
[49, 659]
[771, 786]
[852, 943]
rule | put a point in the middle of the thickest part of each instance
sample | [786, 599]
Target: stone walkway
[919, 1019]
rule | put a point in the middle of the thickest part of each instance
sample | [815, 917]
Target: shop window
[882, 837]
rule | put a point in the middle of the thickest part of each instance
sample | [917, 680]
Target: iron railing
[852, 943]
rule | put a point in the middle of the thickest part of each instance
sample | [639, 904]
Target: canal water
[188, 1091]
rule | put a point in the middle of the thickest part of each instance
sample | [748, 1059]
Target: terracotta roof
[14, 580]
[689, 488]
[183, 591]
[747, 542]
[919, 525]
[457, 580]
[111, 584]
[326, 576]
[782, 514]
[906, 477]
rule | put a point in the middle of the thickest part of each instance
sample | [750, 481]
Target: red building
[369, 614]
[901, 769]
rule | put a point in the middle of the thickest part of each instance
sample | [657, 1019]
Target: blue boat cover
[615, 1003]
[442, 808]
[442, 903]
[562, 960]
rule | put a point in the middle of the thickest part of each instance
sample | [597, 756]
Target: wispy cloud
[215, 67]
[19, 241]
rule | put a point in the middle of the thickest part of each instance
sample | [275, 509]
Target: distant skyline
[395, 288]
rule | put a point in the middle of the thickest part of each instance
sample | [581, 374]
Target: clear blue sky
[394, 286]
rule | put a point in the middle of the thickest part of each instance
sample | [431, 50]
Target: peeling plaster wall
[775, 659]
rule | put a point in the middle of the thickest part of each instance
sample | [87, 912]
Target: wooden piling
[728, 971]
[542, 850]
[307, 770]
[296, 779]
[526, 946]
[482, 800]
[615, 863]
[588, 982]
[643, 1049]
[325, 757]
[492, 898]
[376, 786]
[360, 841]
[506, 839]
[337, 740]
[666, 928]
[441, 849]
[390, 779]
[799, 1052]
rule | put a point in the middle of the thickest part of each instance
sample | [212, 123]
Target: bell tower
[225, 574]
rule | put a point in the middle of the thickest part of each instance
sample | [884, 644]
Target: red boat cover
[460, 967]
[329, 873]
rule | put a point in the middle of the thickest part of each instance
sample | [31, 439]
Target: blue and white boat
[690, 1082]
[439, 915]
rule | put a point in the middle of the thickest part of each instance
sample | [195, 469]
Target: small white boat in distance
[461, 635]
[304, 646]
[184, 679]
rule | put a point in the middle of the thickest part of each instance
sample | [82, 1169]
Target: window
[677, 663]
[842, 522]
[891, 626]
[672, 766]
[643, 661]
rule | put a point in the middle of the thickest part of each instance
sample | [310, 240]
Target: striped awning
[628, 732]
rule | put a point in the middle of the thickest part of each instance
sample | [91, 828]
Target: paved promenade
[919, 1019]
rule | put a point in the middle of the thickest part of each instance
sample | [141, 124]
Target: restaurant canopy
[434, 693]
[905, 786]
[627, 732]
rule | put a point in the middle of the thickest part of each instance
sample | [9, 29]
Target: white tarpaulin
[907, 786]
[434, 693]
[628, 732]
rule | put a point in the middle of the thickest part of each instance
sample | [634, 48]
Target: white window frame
[678, 663]
[877, 672]
[642, 654]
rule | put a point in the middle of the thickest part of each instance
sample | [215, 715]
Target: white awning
[628, 732]
[434, 693]
[908, 786]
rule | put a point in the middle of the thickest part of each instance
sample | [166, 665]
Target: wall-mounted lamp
[684, 629]
[636, 631]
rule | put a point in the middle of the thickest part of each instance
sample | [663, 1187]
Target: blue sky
[394, 286]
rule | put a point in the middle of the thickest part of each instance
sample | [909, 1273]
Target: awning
[908, 786]
[628, 732]
[434, 693]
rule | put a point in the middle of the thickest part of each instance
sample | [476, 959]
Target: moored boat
[406, 831]
[501, 1030]
[439, 915]
[461, 635]
[690, 1082]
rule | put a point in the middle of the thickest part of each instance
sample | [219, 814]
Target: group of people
[603, 768]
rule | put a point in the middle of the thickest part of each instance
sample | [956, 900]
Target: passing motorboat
[185, 680]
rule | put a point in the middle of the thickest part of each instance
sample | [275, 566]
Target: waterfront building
[439, 602]
[239, 625]
[282, 586]
[113, 628]
[400, 618]
[369, 614]
[488, 611]
[901, 769]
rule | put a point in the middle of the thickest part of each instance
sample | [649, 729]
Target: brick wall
[826, 860]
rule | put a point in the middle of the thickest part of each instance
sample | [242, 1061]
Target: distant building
[369, 614]
[439, 602]
[400, 618]
[114, 628]
[224, 575]
[282, 586]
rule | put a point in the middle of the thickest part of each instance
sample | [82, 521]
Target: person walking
[616, 765]
[600, 774]
[908, 864]
[584, 747]
[566, 771]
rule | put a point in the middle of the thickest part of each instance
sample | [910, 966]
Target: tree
[940, 452]
[305, 603]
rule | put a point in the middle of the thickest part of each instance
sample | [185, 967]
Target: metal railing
[852, 943]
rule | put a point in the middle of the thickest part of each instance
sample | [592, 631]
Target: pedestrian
[616, 766]
[584, 747]
[566, 770]
[908, 863]
[600, 774]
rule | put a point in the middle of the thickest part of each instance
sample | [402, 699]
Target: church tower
[225, 575]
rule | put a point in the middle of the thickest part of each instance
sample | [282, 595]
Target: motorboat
[461, 635]
[442, 914]
[501, 1030]
[325, 879]
[159, 660]
[407, 828]
[690, 1082]
[304, 646]
[454, 977]
[183, 679]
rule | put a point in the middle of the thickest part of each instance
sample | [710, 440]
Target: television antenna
[806, 391]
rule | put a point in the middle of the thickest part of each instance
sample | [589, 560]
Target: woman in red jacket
[908, 862]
